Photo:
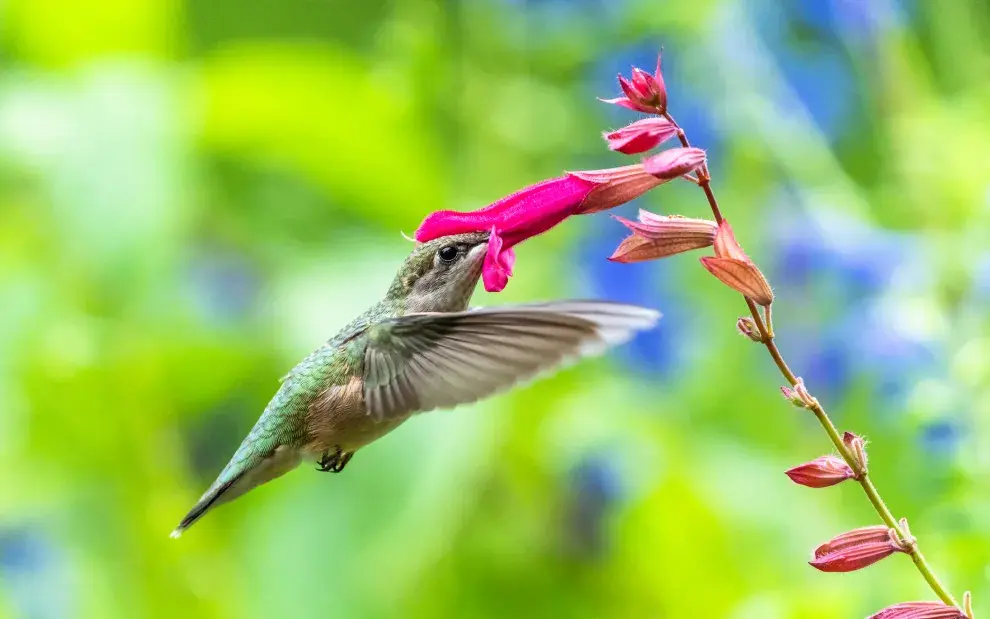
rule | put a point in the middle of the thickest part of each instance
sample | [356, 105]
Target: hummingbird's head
[441, 275]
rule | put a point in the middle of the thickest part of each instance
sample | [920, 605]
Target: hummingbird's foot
[334, 462]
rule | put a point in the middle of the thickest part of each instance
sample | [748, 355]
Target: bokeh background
[194, 195]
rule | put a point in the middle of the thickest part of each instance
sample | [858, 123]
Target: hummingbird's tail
[250, 467]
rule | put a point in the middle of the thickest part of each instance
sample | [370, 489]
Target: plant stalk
[862, 475]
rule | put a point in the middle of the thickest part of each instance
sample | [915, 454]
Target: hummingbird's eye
[447, 253]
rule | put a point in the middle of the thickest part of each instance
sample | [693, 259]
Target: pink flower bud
[791, 395]
[856, 549]
[735, 269]
[798, 395]
[919, 610]
[641, 135]
[857, 446]
[674, 163]
[821, 472]
[644, 92]
[745, 326]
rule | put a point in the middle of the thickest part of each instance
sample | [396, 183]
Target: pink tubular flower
[919, 610]
[821, 472]
[534, 210]
[857, 549]
[734, 268]
[656, 236]
[641, 135]
[643, 92]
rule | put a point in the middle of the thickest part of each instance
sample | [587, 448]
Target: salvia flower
[734, 268]
[821, 472]
[643, 92]
[656, 236]
[857, 549]
[641, 136]
[534, 210]
[919, 610]
[674, 162]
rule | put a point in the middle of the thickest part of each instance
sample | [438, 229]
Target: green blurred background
[194, 195]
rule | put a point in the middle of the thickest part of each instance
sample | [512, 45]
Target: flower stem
[862, 475]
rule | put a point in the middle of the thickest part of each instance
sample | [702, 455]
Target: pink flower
[734, 268]
[656, 236]
[857, 549]
[821, 472]
[674, 163]
[641, 135]
[534, 210]
[643, 92]
[919, 610]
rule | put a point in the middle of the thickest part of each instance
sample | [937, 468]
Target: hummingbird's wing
[420, 362]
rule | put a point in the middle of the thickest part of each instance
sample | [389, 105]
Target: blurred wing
[420, 362]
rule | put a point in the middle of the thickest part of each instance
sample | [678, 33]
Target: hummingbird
[420, 348]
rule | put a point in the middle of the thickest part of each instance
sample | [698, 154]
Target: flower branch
[849, 551]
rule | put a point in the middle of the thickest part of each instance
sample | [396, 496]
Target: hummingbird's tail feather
[248, 469]
[202, 506]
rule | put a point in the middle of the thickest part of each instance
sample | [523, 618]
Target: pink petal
[641, 135]
[517, 217]
[497, 268]
[622, 102]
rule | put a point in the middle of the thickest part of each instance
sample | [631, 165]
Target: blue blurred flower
[941, 438]
[843, 275]
[34, 574]
[222, 285]
[815, 67]
[647, 284]
[595, 486]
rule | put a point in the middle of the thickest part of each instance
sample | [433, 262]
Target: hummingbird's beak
[477, 252]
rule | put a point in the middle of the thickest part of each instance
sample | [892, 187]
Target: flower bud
[919, 610]
[674, 162]
[856, 446]
[746, 326]
[641, 135]
[798, 395]
[643, 92]
[734, 268]
[856, 549]
[821, 472]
